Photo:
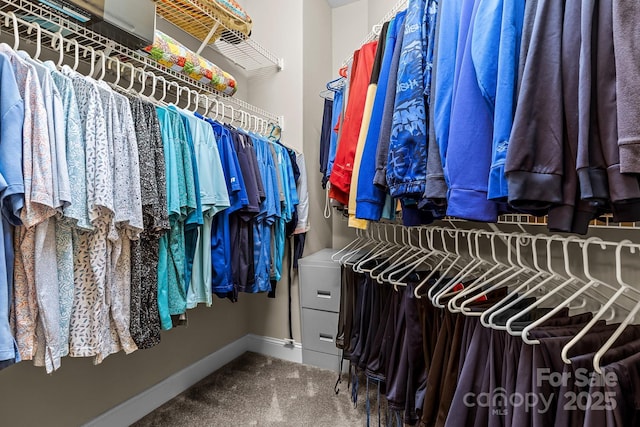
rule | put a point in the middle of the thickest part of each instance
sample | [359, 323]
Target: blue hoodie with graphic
[407, 161]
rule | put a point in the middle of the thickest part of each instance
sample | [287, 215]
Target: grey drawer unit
[323, 360]
[320, 302]
[319, 331]
[320, 285]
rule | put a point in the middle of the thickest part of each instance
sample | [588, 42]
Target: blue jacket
[407, 161]
[333, 145]
[449, 17]
[370, 199]
[498, 24]
[470, 135]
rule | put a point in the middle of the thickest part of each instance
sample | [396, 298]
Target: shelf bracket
[207, 39]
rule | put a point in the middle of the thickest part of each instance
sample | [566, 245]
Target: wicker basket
[199, 17]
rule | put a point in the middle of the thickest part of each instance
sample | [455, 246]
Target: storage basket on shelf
[197, 17]
[172, 54]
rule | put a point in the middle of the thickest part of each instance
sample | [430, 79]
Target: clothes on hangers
[337, 114]
[346, 150]
[438, 368]
[370, 199]
[325, 138]
[118, 215]
[145, 318]
[564, 155]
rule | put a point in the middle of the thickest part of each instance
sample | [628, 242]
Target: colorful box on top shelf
[170, 53]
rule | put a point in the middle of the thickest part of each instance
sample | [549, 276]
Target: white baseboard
[275, 347]
[138, 406]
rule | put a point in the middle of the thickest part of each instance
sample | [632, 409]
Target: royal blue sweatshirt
[470, 135]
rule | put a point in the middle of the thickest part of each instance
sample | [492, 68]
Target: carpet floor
[257, 390]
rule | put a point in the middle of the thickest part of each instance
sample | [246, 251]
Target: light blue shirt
[76, 212]
[495, 50]
[11, 194]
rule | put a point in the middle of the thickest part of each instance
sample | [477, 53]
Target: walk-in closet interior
[320, 213]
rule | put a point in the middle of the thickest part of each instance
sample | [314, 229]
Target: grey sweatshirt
[626, 33]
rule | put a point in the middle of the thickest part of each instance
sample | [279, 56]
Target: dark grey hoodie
[534, 166]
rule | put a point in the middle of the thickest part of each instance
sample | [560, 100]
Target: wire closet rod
[53, 26]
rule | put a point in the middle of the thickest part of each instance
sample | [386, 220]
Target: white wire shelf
[198, 18]
[54, 24]
[604, 221]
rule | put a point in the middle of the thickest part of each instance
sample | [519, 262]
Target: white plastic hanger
[427, 252]
[466, 271]
[454, 261]
[218, 103]
[453, 281]
[232, 117]
[541, 285]
[398, 251]
[196, 104]
[31, 27]
[164, 91]
[16, 32]
[60, 39]
[614, 337]
[404, 252]
[174, 84]
[371, 245]
[188, 97]
[487, 317]
[464, 307]
[419, 256]
[370, 241]
[489, 276]
[565, 303]
[383, 246]
[76, 58]
[103, 63]
[118, 70]
[206, 106]
[590, 287]
[359, 238]
[132, 77]
[446, 257]
[143, 76]
[89, 49]
[624, 287]
[220, 118]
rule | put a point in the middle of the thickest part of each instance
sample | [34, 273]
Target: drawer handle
[326, 337]
[324, 294]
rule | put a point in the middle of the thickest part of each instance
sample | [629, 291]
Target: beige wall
[278, 27]
[80, 391]
[350, 27]
[302, 32]
[318, 70]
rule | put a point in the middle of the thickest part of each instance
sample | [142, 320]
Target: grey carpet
[256, 390]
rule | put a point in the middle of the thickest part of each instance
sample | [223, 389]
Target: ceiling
[338, 3]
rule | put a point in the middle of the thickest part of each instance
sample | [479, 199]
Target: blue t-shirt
[220, 235]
